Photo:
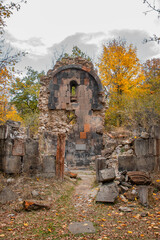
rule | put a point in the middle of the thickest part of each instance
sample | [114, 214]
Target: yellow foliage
[120, 69]
[123, 79]
[6, 112]
[13, 115]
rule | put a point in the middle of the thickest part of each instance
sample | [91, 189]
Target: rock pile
[133, 151]
[135, 185]
[129, 185]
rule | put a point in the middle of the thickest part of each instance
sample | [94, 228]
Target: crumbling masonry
[71, 102]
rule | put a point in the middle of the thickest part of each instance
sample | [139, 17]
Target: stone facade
[72, 102]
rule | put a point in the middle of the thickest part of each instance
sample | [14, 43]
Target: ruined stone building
[72, 102]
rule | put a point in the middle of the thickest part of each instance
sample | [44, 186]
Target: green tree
[25, 93]
[77, 52]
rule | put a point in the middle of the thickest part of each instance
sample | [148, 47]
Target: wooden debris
[29, 205]
[71, 174]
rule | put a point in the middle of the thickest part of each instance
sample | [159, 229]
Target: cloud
[87, 42]
[136, 37]
[41, 57]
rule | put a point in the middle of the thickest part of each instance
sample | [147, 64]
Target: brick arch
[83, 68]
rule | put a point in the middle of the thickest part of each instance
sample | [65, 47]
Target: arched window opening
[73, 91]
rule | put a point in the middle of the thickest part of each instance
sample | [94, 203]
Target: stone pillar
[100, 165]
[61, 141]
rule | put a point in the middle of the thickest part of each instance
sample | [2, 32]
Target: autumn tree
[8, 58]
[25, 93]
[121, 75]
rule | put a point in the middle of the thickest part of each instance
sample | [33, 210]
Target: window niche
[73, 91]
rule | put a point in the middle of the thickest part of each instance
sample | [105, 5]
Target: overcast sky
[43, 28]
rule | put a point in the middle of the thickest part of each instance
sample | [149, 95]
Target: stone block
[13, 124]
[30, 164]
[31, 147]
[49, 164]
[155, 132]
[18, 148]
[108, 193]
[143, 195]
[141, 147]
[100, 164]
[81, 147]
[139, 177]
[81, 227]
[152, 147]
[83, 135]
[145, 163]
[107, 175]
[86, 127]
[2, 131]
[126, 163]
[12, 164]
[8, 147]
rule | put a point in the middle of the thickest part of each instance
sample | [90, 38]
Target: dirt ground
[74, 201]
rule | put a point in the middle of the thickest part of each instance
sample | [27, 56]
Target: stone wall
[72, 102]
[134, 152]
[18, 154]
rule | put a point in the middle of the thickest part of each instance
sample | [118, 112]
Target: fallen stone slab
[139, 177]
[125, 209]
[81, 227]
[30, 205]
[108, 193]
[7, 195]
[107, 175]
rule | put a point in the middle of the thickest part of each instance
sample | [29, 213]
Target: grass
[67, 207]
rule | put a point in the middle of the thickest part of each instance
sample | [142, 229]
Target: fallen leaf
[49, 230]
[118, 227]
[123, 225]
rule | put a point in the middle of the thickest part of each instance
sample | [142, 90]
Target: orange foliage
[120, 69]
[122, 76]
[6, 112]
